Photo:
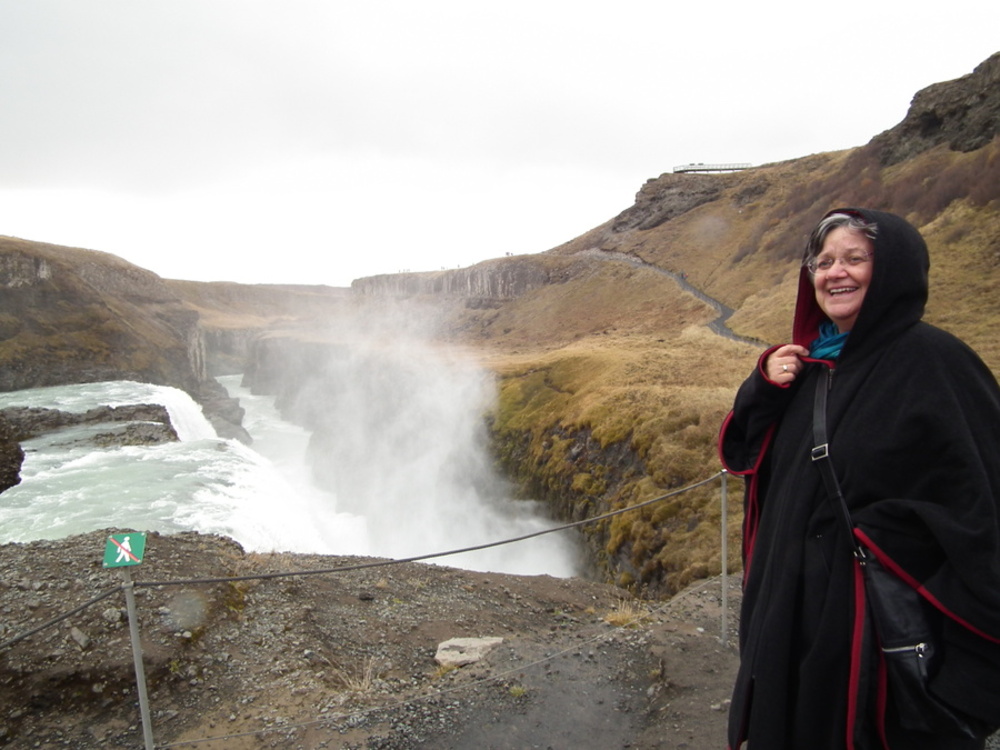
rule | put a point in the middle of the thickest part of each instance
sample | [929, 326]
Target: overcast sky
[318, 141]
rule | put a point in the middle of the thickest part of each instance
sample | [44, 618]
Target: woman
[914, 425]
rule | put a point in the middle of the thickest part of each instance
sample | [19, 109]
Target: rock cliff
[669, 196]
[232, 316]
[11, 456]
[74, 316]
[496, 280]
[964, 113]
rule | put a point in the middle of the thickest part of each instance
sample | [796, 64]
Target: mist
[399, 439]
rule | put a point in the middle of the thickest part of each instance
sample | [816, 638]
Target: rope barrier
[60, 618]
[365, 565]
[429, 556]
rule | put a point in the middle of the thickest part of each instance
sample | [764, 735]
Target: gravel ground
[346, 659]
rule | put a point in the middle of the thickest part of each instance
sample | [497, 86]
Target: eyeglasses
[826, 263]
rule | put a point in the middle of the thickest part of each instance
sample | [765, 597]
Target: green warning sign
[124, 549]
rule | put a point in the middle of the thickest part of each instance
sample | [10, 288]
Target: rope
[429, 556]
[60, 618]
[360, 566]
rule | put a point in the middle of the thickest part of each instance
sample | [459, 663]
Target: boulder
[457, 652]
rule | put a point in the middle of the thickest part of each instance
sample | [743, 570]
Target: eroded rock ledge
[137, 424]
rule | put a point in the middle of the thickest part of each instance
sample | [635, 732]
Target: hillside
[611, 384]
[69, 315]
[88, 315]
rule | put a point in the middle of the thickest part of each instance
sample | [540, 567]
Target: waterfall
[186, 415]
[415, 446]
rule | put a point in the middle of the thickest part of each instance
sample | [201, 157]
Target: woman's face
[840, 289]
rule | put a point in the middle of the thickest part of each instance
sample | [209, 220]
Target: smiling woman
[839, 259]
[912, 416]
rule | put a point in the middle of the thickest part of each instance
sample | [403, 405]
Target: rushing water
[262, 496]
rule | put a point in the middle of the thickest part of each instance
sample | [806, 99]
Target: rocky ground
[346, 659]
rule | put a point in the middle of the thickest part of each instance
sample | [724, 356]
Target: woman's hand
[783, 364]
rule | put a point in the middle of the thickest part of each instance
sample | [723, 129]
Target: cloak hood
[896, 297]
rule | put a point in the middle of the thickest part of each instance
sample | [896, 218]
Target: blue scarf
[829, 343]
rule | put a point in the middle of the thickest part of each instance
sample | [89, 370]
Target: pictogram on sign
[124, 549]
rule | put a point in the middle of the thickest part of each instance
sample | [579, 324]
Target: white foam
[420, 461]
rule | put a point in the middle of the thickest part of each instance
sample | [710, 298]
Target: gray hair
[854, 222]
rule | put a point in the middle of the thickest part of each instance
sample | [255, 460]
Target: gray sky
[318, 141]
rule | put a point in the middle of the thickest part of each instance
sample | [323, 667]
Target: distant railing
[129, 586]
[702, 167]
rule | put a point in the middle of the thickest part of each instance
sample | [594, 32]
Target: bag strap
[821, 457]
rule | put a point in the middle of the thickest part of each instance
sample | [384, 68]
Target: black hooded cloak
[914, 423]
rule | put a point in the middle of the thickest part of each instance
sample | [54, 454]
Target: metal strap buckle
[820, 452]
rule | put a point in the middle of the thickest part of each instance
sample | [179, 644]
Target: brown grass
[663, 398]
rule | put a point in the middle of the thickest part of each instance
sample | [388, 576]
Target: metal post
[140, 672]
[725, 557]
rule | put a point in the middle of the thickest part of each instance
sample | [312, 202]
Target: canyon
[611, 380]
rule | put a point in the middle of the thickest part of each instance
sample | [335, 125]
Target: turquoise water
[262, 496]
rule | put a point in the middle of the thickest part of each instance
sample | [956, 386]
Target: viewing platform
[702, 167]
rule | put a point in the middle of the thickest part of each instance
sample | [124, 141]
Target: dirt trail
[717, 326]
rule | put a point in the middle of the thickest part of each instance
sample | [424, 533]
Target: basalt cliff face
[493, 280]
[11, 456]
[232, 316]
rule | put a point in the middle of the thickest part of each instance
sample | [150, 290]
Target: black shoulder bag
[900, 614]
